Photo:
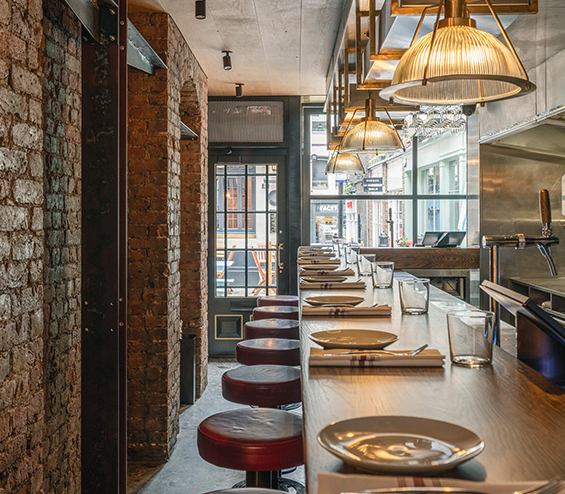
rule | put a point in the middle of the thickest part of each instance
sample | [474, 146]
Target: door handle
[281, 265]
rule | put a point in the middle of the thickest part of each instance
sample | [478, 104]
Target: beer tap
[521, 241]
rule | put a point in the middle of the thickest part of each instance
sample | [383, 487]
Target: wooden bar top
[426, 257]
[518, 413]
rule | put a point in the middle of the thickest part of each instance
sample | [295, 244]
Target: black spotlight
[238, 89]
[200, 9]
[227, 60]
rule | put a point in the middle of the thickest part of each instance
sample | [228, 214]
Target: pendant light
[372, 135]
[458, 64]
[345, 163]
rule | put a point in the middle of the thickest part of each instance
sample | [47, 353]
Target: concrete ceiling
[280, 47]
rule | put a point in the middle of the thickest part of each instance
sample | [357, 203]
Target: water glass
[414, 296]
[364, 265]
[383, 274]
[350, 255]
[470, 337]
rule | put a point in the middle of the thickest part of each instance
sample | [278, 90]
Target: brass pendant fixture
[458, 64]
[346, 163]
[372, 135]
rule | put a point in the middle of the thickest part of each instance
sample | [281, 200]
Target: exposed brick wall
[21, 248]
[62, 270]
[194, 215]
[39, 247]
[157, 285]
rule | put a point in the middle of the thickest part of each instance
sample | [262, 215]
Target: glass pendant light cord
[505, 36]
[394, 128]
[425, 77]
[338, 147]
[424, 12]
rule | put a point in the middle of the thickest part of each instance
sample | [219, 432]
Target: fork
[552, 486]
[385, 352]
[346, 305]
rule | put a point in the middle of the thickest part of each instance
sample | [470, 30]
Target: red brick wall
[21, 249]
[62, 269]
[39, 241]
[157, 249]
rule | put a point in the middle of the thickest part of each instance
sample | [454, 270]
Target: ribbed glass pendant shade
[466, 66]
[345, 163]
[371, 136]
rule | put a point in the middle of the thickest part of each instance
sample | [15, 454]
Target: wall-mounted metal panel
[140, 54]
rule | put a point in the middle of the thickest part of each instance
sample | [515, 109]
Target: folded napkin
[319, 261]
[318, 285]
[321, 357]
[378, 311]
[335, 483]
[323, 272]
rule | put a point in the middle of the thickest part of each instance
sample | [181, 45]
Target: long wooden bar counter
[519, 414]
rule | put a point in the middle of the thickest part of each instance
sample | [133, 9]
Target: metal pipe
[494, 259]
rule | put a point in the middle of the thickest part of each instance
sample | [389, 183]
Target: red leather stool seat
[276, 351]
[275, 312]
[252, 439]
[262, 385]
[272, 328]
[291, 300]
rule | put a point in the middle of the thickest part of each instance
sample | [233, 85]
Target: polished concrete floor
[186, 472]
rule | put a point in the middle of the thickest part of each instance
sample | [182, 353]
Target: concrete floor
[186, 472]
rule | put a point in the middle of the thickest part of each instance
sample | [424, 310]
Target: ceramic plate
[325, 279]
[363, 339]
[321, 267]
[314, 249]
[400, 445]
[334, 299]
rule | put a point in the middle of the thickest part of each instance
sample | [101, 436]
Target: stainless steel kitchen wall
[510, 183]
[519, 155]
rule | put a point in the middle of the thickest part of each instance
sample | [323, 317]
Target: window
[392, 204]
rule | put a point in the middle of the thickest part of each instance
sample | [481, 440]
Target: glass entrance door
[247, 256]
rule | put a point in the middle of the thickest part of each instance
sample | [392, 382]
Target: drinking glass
[470, 337]
[414, 296]
[364, 265]
[383, 274]
[350, 255]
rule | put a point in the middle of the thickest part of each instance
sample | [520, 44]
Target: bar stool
[277, 351]
[272, 328]
[275, 312]
[261, 441]
[263, 385]
[291, 300]
[245, 490]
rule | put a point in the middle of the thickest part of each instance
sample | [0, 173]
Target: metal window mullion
[268, 253]
[246, 236]
[225, 229]
[414, 189]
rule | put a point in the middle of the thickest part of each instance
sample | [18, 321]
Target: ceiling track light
[239, 89]
[200, 9]
[458, 63]
[227, 59]
[372, 135]
[342, 162]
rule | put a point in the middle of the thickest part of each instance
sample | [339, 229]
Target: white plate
[400, 445]
[320, 267]
[334, 299]
[315, 249]
[363, 339]
[325, 279]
